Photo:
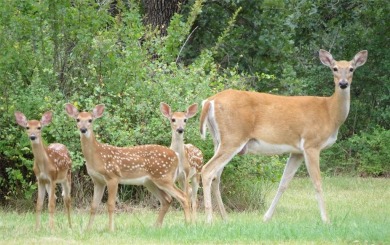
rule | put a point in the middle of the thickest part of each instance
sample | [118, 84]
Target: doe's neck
[339, 105]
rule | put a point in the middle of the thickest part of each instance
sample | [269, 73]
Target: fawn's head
[33, 127]
[178, 120]
[343, 70]
[84, 119]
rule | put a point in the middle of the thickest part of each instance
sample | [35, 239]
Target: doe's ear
[191, 110]
[46, 118]
[71, 110]
[21, 119]
[165, 110]
[360, 58]
[98, 111]
[326, 58]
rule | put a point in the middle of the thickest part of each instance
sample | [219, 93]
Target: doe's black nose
[83, 130]
[180, 130]
[343, 84]
[33, 137]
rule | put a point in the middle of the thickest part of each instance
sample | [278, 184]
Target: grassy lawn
[359, 210]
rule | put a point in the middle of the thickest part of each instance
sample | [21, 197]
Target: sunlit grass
[359, 210]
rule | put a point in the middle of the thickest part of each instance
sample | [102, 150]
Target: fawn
[152, 166]
[190, 157]
[52, 165]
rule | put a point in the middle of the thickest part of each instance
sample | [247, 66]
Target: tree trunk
[158, 13]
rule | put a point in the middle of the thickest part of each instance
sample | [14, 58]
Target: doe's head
[343, 70]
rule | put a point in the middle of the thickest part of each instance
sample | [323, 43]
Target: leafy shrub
[364, 154]
[246, 180]
[79, 53]
[371, 152]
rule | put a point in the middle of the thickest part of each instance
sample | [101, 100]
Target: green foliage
[83, 55]
[344, 28]
[371, 153]
[364, 154]
[256, 175]
[54, 52]
[283, 38]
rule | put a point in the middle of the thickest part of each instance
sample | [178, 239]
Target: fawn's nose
[180, 130]
[33, 137]
[83, 130]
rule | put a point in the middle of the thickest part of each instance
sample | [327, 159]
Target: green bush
[364, 154]
[74, 53]
[246, 180]
[371, 152]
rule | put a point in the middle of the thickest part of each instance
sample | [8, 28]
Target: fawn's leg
[112, 188]
[165, 201]
[170, 188]
[52, 202]
[67, 199]
[41, 197]
[98, 190]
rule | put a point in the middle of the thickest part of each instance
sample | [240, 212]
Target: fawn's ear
[165, 110]
[326, 58]
[71, 110]
[191, 110]
[98, 111]
[21, 119]
[46, 118]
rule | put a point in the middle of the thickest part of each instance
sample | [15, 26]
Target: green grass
[359, 210]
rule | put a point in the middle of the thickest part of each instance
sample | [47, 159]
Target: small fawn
[152, 166]
[52, 165]
[190, 157]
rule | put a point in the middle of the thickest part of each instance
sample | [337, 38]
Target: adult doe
[249, 122]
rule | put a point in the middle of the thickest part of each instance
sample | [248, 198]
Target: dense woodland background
[133, 54]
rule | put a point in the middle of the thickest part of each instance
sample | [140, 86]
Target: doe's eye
[335, 69]
[351, 69]
[27, 128]
[90, 120]
[173, 120]
[77, 120]
[39, 128]
[185, 120]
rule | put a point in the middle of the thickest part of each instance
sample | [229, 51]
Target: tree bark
[158, 13]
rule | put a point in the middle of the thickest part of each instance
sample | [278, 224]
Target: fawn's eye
[185, 120]
[90, 120]
[173, 120]
[351, 69]
[39, 128]
[27, 128]
[77, 120]
[335, 69]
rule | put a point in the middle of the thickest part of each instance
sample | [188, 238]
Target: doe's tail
[204, 117]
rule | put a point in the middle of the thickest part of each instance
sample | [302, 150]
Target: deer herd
[239, 122]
